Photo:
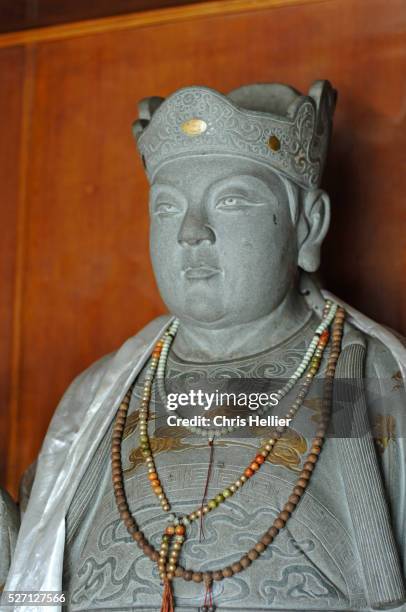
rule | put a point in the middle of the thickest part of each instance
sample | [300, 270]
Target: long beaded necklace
[174, 534]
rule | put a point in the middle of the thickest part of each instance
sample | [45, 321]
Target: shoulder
[101, 374]
[89, 379]
[380, 360]
[382, 372]
[385, 351]
[88, 390]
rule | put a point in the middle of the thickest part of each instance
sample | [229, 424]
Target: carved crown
[270, 123]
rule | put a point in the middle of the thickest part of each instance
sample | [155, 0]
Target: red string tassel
[167, 597]
[201, 533]
[208, 596]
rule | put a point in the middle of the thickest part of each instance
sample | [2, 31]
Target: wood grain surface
[74, 241]
[17, 15]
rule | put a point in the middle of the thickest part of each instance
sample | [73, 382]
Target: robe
[85, 414]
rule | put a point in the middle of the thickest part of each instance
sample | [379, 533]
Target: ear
[312, 227]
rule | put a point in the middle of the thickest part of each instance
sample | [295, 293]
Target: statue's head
[235, 202]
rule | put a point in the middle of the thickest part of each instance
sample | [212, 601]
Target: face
[223, 245]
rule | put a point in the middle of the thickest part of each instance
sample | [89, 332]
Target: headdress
[271, 123]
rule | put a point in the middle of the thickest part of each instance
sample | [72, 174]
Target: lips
[200, 272]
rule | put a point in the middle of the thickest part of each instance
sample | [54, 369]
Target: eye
[232, 202]
[165, 208]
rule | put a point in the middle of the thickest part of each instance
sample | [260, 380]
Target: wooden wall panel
[12, 63]
[16, 15]
[87, 278]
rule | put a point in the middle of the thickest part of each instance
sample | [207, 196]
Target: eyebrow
[157, 188]
[244, 180]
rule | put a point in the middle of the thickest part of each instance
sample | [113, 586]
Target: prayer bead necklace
[328, 316]
[174, 535]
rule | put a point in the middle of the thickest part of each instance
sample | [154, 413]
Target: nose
[195, 229]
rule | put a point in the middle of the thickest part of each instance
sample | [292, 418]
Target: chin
[202, 312]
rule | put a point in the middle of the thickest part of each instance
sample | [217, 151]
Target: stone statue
[237, 222]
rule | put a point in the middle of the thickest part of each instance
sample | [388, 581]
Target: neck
[194, 343]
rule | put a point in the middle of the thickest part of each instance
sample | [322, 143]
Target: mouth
[200, 272]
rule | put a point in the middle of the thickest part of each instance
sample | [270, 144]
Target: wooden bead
[312, 458]
[207, 578]
[273, 531]
[289, 507]
[305, 474]
[279, 523]
[252, 554]
[259, 547]
[308, 466]
[245, 561]
[298, 490]
[147, 550]
[284, 515]
[187, 575]
[129, 523]
[237, 567]
[138, 536]
[266, 539]
[227, 572]
[302, 482]
[179, 571]
[218, 575]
